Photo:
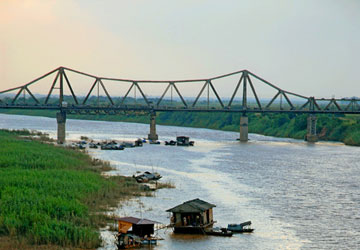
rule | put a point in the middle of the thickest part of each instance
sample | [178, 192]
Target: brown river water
[297, 195]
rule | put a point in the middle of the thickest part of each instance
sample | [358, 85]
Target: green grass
[53, 195]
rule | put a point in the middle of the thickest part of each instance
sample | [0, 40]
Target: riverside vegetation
[54, 197]
[342, 128]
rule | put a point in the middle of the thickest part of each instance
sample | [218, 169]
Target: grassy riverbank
[53, 196]
[342, 128]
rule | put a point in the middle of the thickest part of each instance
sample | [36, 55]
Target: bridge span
[245, 98]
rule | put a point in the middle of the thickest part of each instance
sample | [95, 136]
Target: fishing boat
[127, 144]
[92, 145]
[127, 241]
[240, 228]
[139, 143]
[111, 146]
[219, 232]
[147, 176]
[149, 241]
[170, 143]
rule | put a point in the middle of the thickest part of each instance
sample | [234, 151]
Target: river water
[297, 195]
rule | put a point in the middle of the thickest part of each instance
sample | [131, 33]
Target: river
[297, 195]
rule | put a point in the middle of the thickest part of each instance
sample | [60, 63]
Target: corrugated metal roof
[137, 221]
[192, 206]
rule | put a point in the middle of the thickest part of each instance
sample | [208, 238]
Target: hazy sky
[311, 47]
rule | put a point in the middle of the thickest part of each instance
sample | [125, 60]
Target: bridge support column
[153, 136]
[311, 129]
[61, 120]
[244, 128]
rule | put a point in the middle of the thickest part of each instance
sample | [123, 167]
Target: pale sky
[310, 47]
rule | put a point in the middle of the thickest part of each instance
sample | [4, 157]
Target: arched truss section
[101, 95]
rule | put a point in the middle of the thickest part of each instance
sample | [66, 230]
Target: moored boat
[192, 217]
[240, 228]
[184, 141]
[92, 145]
[219, 232]
[147, 176]
[135, 232]
[128, 144]
[170, 143]
[127, 241]
[112, 147]
[149, 241]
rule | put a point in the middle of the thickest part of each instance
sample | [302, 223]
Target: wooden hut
[140, 227]
[140, 233]
[192, 217]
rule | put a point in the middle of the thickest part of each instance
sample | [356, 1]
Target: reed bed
[53, 195]
[168, 184]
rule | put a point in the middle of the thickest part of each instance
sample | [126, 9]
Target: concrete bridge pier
[311, 135]
[153, 136]
[61, 120]
[244, 128]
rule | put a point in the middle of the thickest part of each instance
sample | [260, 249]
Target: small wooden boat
[92, 145]
[78, 146]
[112, 147]
[128, 241]
[241, 228]
[219, 232]
[170, 143]
[139, 143]
[149, 241]
[128, 144]
[147, 176]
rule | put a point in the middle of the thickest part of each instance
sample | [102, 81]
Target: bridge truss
[243, 86]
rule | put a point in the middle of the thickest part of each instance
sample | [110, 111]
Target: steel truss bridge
[282, 101]
[243, 86]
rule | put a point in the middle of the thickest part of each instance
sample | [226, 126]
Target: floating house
[134, 232]
[192, 217]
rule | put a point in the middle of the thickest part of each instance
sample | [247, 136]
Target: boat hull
[224, 234]
[149, 242]
[244, 230]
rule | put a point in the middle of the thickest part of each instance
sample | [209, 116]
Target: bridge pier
[153, 136]
[61, 120]
[244, 128]
[311, 135]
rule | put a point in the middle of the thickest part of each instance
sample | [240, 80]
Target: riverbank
[341, 128]
[54, 197]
